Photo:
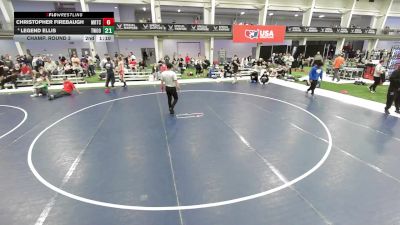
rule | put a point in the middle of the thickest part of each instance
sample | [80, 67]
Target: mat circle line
[181, 207]
[20, 123]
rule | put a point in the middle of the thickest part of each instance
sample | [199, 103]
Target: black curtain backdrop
[279, 49]
[265, 52]
[298, 50]
[313, 49]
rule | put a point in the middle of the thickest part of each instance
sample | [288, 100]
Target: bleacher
[58, 79]
[137, 76]
[54, 80]
[129, 75]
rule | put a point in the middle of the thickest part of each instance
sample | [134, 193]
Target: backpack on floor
[359, 82]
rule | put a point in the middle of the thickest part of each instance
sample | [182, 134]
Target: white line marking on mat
[71, 170]
[20, 123]
[367, 127]
[189, 115]
[46, 210]
[377, 169]
[272, 168]
[170, 159]
[182, 207]
[301, 129]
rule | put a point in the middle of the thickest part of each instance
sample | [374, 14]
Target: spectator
[289, 62]
[146, 57]
[133, 57]
[76, 64]
[9, 76]
[337, 65]
[187, 60]
[163, 67]
[235, 65]
[8, 62]
[85, 67]
[29, 58]
[97, 60]
[50, 66]
[318, 58]
[60, 69]
[68, 68]
[62, 60]
[26, 72]
[197, 65]
[103, 61]
[379, 70]
[91, 63]
[39, 63]
[133, 64]
[196, 20]
[315, 73]
[181, 65]
[280, 71]
[301, 60]
[166, 59]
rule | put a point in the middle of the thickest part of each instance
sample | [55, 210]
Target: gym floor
[232, 155]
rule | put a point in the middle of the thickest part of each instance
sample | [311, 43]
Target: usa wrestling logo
[256, 34]
[251, 34]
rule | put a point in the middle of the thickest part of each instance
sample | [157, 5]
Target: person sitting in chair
[9, 76]
[280, 71]
[198, 68]
[254, 77]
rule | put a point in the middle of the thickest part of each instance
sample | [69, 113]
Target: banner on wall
[172, 27]
[228, 29]
[336, 30]
[258, 34]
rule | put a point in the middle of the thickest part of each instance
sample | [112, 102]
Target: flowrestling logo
[255, 33]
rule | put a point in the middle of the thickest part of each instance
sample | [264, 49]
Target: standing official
[109, 66]
[169, 83]
[393, 94]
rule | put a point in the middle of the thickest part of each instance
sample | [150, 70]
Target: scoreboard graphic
[64, 26]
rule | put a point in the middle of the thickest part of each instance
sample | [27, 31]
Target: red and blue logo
[251, 34]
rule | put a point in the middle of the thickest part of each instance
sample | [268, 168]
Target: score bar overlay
[64, 26]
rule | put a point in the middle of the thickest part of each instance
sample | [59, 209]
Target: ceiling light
[179, 10]
[321, 16]
[116, 7]
[271, 14]
[296, 15]
[144, 9]
[242, 13]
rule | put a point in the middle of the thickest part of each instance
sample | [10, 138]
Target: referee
[393, 94]
[169, 82]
